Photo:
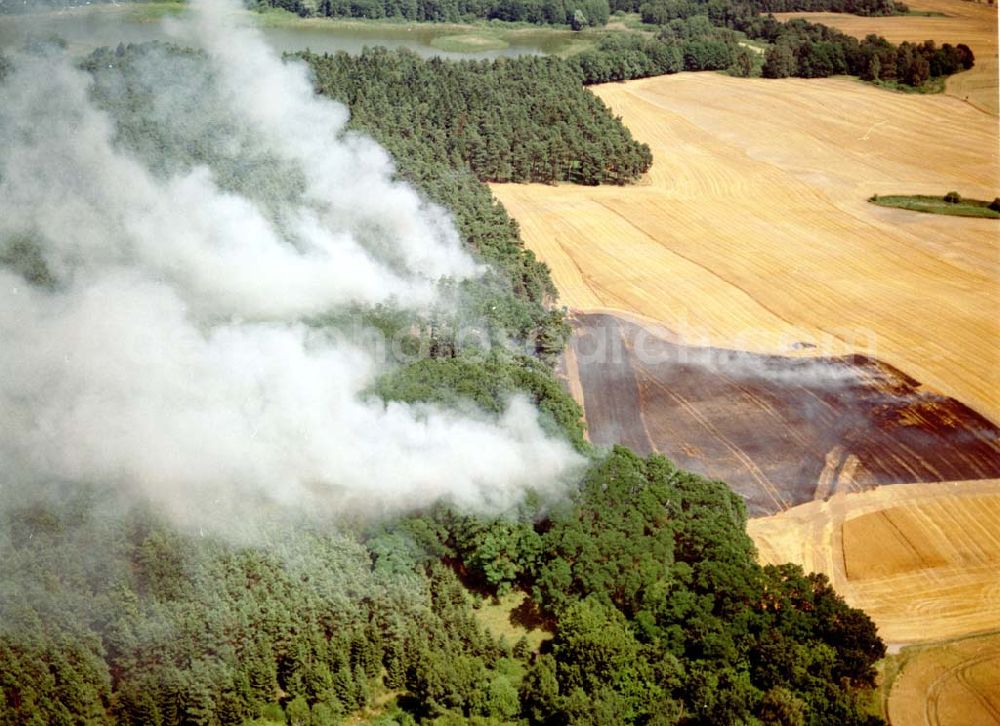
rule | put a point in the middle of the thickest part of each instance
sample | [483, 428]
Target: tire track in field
[959, 673]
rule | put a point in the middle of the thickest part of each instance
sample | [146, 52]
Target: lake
[87, 28]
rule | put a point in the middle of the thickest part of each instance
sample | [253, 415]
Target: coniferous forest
[643, 579]
[519, 119]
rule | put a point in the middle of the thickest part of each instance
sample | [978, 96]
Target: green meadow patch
[951, 204]
[931, 85]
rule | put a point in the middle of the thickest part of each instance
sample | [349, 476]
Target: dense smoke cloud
[165, 350]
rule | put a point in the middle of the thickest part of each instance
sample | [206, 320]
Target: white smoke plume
[169, 357]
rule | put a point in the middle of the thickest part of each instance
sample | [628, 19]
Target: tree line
[646, 578]
[511, 119]
[807, 50]
[853, 7]
[683, 44]
[575, 13]
[452, 125]
[693, 36]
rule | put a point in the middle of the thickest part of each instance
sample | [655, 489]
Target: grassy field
[937, 205]
[952, 21]
[923, 560]
[501, 619]
[752, 230]
[931, 85]
[153, 10]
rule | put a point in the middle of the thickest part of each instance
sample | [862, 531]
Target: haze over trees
[576, 13]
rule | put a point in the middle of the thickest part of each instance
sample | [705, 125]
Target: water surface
[84, 29]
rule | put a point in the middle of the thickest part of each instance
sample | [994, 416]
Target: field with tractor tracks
[923, 560]
[780, 430]
[752, 230]
[955, 682]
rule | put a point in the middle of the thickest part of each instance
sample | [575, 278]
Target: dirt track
[781, 431]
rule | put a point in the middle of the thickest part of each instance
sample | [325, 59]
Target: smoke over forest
[161, 292]
[281, 438]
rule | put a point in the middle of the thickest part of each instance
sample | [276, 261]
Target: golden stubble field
[752, 230]
[956, 682]
[972, 23]
[923, 560]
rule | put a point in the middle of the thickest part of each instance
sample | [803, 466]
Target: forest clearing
[972, 23]
[752, 230]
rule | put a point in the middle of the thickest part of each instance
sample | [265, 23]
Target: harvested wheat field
[956, 682]
[779, 430]
[923, 560]
[752, 230]
[972, 23]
